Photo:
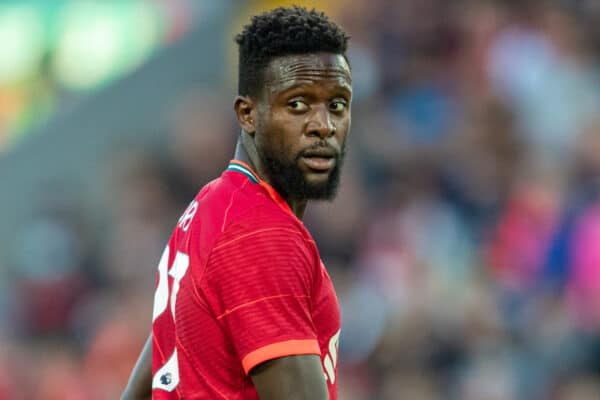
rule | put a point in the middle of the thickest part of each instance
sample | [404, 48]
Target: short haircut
[280, 32]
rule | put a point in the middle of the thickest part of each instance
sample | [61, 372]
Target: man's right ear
[245, 111]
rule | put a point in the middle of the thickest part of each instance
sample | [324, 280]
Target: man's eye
[337, 106]
[297, 105]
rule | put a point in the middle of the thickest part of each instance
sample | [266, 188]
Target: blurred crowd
[464, 243]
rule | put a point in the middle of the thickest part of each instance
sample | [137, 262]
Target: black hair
[280, 32]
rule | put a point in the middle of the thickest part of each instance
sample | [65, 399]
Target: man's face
[303, 117]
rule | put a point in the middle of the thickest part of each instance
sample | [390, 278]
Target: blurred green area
[69, 48]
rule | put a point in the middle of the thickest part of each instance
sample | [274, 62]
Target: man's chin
[320, 190]
[320, 185]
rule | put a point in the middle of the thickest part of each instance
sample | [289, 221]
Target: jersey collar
[243, 168]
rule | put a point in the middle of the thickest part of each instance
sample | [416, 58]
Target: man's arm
[292, 378]
[139, 386]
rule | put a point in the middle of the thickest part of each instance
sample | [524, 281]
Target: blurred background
[464, 243]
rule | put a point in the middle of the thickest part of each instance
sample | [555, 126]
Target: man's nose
[321, 123]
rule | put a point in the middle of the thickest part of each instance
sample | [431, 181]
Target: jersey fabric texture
[240, 282]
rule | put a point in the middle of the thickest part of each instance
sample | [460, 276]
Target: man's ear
[245, 111]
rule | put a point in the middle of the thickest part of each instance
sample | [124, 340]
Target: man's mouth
[319, 164]
[320, 159]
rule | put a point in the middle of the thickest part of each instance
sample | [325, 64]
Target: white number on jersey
[167, 377]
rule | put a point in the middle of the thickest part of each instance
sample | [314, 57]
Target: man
[244, 308]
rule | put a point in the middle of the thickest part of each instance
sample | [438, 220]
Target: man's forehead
[308, 67]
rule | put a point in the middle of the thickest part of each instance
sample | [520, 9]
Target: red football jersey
[240, 282]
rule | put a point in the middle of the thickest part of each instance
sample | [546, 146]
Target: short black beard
[287, 179]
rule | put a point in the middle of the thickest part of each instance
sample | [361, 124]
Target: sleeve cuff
[279, 349]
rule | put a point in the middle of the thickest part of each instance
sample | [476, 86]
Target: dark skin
[139, 386]
[305, 103]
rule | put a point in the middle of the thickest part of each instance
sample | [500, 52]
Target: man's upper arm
[140, 381]
[292, 378]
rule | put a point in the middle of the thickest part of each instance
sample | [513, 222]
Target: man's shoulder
[261, 216]
[233, 190]
[232, 204]
[246, 203]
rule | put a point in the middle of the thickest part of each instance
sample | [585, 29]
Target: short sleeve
[258, 283]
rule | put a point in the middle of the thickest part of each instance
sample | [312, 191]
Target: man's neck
[248, 154]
